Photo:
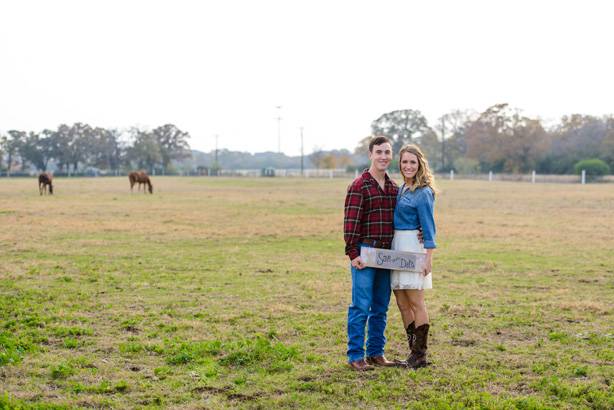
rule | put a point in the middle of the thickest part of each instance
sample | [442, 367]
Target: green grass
[218, 293]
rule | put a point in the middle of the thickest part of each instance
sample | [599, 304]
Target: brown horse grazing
[44, 180]
[140, 177]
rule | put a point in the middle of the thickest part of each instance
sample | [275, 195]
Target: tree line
[500, 139]
[319, 158]
[76, 147]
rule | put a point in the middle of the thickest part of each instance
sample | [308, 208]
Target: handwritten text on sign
[389, 259]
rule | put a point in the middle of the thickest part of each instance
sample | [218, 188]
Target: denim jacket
[414, 210]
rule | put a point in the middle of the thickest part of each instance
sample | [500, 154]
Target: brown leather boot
[410, 331]
[417, 358]
[360, 366]
[382, 361]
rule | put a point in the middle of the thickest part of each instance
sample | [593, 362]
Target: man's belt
[376, 244]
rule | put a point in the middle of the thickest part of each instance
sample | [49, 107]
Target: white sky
[221, 67]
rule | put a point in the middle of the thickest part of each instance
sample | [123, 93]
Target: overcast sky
[222, 67]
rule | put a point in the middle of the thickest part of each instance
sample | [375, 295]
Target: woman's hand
[428, 263]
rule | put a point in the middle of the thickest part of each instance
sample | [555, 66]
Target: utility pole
[278, 128]
[302, 155]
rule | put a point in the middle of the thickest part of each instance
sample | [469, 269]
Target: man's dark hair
[378, 141]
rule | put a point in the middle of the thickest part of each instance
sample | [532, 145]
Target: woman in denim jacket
[414, 212]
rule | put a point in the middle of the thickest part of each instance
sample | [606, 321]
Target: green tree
[172, 143]
[594, 168]
[37, 149]
[106, 151]
[3, 140]
[145, 151]
[12, 147]
[466, 166]
[80, 142]
[60, 147]
[402, 127]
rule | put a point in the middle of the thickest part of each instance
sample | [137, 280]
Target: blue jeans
[370, 298]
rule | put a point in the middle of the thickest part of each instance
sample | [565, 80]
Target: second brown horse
[140, 177]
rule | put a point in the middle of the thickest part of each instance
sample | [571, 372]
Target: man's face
[381, 156]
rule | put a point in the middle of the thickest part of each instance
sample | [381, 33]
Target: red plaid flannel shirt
[369, 212]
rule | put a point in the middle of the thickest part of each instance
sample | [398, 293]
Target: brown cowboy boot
[410, 331]
[417, 358]
[360, 366]
[381, 361]
[411, 338]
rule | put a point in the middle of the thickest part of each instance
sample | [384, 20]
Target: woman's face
[409, 165]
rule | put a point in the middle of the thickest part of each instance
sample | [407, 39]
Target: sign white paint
[389, 259]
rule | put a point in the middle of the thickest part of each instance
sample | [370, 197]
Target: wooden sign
[389, 259]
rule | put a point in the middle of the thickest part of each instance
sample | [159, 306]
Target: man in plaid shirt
[369, 210]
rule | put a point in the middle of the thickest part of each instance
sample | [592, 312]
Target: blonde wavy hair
[424, 177]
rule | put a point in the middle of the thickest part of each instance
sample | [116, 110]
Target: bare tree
[501, 139]
[452, 128]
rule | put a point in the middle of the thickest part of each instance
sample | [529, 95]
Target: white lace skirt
[408, 241]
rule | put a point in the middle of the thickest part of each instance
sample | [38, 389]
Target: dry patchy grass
[233, 292]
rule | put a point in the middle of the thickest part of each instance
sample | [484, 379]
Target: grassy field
[218, 293]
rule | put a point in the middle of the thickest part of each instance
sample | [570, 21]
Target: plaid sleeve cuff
[353, 253]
